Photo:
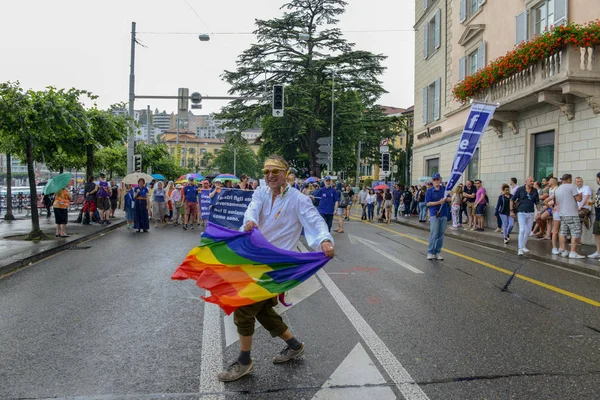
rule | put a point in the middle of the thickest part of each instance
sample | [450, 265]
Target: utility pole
[332, 114]
[148, 122]
[131, 136]
[358, 165]
[234, 160]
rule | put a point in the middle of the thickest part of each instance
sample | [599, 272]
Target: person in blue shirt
[328, 201]
[439, 214]
[141, 221]
[397, 194]
[190, 193]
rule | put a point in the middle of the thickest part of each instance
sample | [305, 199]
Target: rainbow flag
[242, 268]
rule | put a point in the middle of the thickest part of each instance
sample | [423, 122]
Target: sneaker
[430, 256]
[192, 226]
[555, 251]
[287, 354]
[479, 230]
[531, 234]
[525, 250]
[438, 256]
[498, 230]
[505, 240]
[564, 253]
[575, 255]
[595, 255]
[520, 252]
[235, 371]
[185, 227]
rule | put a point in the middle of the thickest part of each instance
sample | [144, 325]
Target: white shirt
[585, 190]
[564, 196]
[371, 199]
[513, 190]
[363, 196]
[281, 221]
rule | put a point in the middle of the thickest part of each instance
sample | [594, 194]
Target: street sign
[322, 159]
[384, 149]
[324, 140]
[325, 148]
[384, 142]
[395, 169]
[196, 98]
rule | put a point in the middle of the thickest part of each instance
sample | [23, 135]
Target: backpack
[487, 200]
[344, 200]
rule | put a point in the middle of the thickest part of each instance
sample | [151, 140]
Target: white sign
[394, 168]
[278, 113]
[384, 149]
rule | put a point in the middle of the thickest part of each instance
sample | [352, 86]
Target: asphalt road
[379, 322]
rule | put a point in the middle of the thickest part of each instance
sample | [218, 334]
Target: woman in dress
[62, 201]
[141, 221]
[159, 204]
[128, 205]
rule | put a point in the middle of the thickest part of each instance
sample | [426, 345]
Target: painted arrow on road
[375, 247]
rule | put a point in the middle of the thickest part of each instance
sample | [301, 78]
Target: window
[473, 168]
[472, 63]
[540, 17]
[366, 170]
[432, 166]
[468, 8]
[432, 34]
[431, 102]
[543, 155]
[202, 150]
[215, 151]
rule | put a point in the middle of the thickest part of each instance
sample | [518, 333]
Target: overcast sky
[86, 44]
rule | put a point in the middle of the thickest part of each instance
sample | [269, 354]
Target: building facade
[548, 119]
[163, 121]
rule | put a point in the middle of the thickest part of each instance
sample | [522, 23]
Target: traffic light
[385, 162]
[137, 162]
[278, 100]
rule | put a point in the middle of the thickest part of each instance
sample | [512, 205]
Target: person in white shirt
[280, 213]
[566, 197]
[362, 199]
[583, 207]
[513, 186]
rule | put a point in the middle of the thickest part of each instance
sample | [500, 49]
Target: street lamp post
[332, 115]
[130, 136]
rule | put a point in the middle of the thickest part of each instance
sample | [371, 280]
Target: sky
[86, 44]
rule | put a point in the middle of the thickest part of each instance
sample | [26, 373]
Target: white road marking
[405, 383]
[294, 296]
[357, 370]
[212, 351]
[374, 246]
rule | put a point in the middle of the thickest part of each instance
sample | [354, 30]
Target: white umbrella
[133, 178]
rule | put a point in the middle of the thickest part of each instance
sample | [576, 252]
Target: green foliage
[112, 160]
[207, 163]
[158, 157]
[307, 74]
[246, 160]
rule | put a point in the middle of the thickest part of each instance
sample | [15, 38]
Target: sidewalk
[15, 254]
[540, 250]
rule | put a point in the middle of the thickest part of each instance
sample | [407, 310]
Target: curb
[532, 256]
[18, 264]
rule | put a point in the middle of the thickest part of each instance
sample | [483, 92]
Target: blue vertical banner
[479, 118]
[230, 208]
[205, 204]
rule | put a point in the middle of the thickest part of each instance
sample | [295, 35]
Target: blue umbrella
[312, 179]
[158, 177]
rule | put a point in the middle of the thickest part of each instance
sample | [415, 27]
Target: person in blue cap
[329, 198]
[439, 214]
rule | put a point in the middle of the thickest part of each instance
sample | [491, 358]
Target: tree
[105, 128]
[112, 160]
[207, 163]
[307, 74]
[236, 147]
[158, 157]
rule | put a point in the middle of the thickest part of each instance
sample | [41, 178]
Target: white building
[251, 134]
[212, 130]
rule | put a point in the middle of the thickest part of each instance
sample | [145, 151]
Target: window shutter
[462, 68]
[561, 10]
[521, 22]
[437, 29]
[463, 10]
[425, 98]
[481, 56]
[436, 99]
[425, 4]
[426, 40]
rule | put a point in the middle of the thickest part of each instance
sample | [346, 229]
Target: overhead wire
[252, 33]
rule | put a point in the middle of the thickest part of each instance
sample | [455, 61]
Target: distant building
[164, 121]
[212, 129]
[251, 134]
[195, 121]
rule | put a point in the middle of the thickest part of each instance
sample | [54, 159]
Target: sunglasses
[274, 171]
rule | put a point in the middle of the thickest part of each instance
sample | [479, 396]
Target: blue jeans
[371, 208]
[396, 208]
[525, 225]
[328, 220]
[436, 237]
[407, 208]
[422, 211]
[508, 223]
[378, 207]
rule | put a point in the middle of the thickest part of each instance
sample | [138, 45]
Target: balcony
[561, 79]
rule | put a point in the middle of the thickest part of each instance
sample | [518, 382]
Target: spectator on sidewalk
[89, 205]
[350, 202]
[469, 194]
[103, 200]
[397, 196]
[421, 203]
[513, 186]
[596, 230]
[551, 202]
[62, 201]
[437, 201]
[190, 194]
[178, 207]
[343, 205]
[159, 203]
[503, 211]
[584, 207]
[567, 196]
[47, 201]
[526, 197]
[387, 205]
[329, 202]
[128, 206]
[141, 220]
[541, 218]
[480, 204]
[456, 204]
[370, 203]
[379, 201]
[362, 199]
[407, 200]
[114, 198]
[291, 178]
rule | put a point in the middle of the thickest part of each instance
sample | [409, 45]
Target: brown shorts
[191, 208]
[103, 203]
[245, 317]
[470, 209]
